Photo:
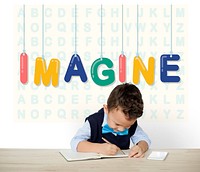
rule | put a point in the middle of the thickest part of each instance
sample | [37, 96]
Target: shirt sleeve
[83, 133]
[139, 136]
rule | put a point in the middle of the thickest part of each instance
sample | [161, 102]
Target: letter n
[140, 67]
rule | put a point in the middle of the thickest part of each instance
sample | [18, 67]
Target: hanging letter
[107, 73]
[79, 71]
[24, 68]
[46, 75]
[164, 68]
[139, 66]
[122, 68]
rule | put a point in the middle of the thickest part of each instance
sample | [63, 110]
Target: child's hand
[136, 152]
[109, 149]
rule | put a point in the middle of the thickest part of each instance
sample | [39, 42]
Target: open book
[71, 155]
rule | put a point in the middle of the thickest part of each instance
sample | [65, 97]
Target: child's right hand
[109, 149]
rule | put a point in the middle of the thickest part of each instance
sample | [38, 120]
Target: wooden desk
[28, 160]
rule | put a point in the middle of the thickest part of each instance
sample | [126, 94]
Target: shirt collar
[105, 119]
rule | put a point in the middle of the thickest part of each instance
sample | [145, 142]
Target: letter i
[122, 68]
[23, 68]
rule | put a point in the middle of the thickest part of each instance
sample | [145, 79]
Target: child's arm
[103, 148]
[141, 141]
[138, 150]
[79, 142]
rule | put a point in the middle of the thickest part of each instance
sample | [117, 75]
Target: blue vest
[96, 120]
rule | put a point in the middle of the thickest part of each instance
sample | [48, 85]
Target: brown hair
[128, 97]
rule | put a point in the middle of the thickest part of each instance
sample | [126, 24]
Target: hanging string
[75, 59]
[24, 29]
[171, 32]
[122, 30]
[122, 57]
[43, 31]
[137, 53]
[23, 56]
[75, 32]
[101, 32]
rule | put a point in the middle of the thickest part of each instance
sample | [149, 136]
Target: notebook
[71, 155]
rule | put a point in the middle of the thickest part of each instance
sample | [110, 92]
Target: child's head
[127, 97]
[124, 106]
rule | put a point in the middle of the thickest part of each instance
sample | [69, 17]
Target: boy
[112, 127]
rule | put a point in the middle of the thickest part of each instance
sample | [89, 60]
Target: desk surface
[27, 160]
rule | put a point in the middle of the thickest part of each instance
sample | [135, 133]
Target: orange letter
[138, 66]
[46, 75]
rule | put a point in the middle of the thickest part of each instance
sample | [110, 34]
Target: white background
[58, 135]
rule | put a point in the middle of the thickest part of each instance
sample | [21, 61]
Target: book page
[71, 155]
[121, 153]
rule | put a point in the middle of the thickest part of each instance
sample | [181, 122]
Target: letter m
[46, 75]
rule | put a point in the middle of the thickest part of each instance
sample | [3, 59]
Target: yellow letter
[47, 75]
[138, 66]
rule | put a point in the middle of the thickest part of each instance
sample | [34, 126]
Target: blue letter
[164, 68]
[75, 60]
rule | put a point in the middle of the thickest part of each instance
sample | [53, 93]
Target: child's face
[117, 119]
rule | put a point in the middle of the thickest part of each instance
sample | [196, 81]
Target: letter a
[71, 71]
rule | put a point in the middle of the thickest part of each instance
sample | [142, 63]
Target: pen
[105, 140]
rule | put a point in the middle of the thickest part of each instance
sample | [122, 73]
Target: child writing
[112, 127]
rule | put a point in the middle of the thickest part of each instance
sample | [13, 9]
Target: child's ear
[105, 107]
